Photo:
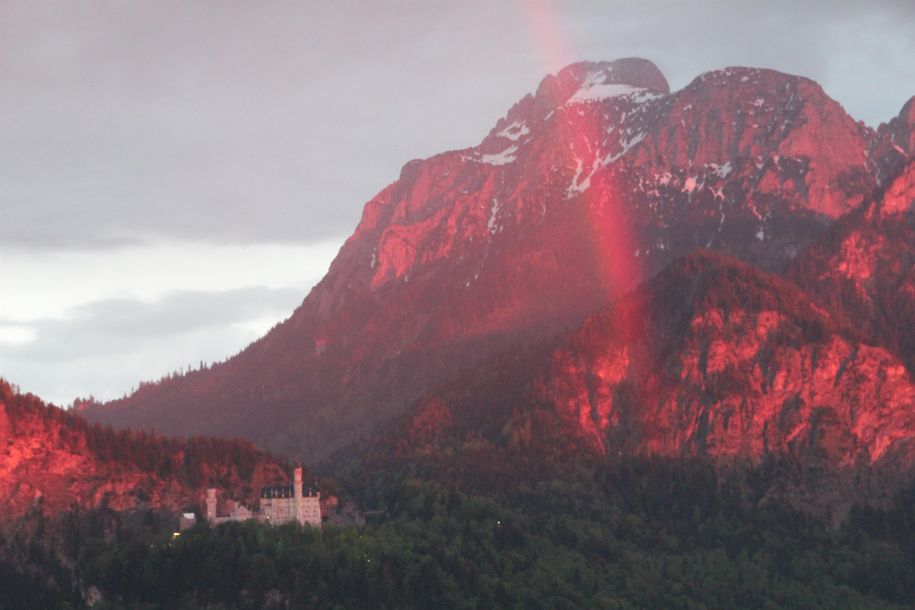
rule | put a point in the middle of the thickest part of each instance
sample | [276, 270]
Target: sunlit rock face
[52, 461]
[894, 145]
[585, 188]
[726, 361]
[864, 268]
[711, 359]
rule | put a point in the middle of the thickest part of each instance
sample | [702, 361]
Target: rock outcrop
[715, 358]
[864, 268]
[52, 460]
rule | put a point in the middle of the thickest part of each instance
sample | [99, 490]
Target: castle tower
[211, 505]
[299, 504]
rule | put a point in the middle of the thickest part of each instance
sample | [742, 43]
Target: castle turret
[211, 505]
[297, 494]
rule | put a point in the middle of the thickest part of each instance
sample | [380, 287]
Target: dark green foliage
[476, 525]
[19, 591]
[634, 534]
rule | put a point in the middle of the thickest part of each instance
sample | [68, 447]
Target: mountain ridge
[52, 460]
[556, 213]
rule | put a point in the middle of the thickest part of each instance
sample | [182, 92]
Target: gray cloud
[114, 326]
[862, 53]
[158, 122]
[104, 345]
[256, 122]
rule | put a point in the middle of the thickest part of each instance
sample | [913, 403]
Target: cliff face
[726, 361]
[52, 460]
[590, 185]
[711, 359]
[894, 144]
[864, 268]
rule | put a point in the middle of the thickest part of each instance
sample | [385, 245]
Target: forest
[634, 533]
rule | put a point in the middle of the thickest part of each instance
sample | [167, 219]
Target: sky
[175, 176]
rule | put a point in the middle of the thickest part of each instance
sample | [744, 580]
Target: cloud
[46, 284]
[115, 326]
[97, 322]
[159, 157]
[191, 120]
[239, 123]
[106, 346]
[862, 53]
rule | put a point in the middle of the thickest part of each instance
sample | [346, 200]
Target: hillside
[864, 268]
[585, 188]
[717, 358]
[52, 460]
[711, 359]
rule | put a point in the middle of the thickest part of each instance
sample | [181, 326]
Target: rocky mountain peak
[588, 81]
[631, 71]
[591, 184]
[904, 127]
[772, 127]
[593, 80]
[894, 143]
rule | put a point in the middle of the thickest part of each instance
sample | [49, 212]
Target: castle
[278, 504]
[285, 503]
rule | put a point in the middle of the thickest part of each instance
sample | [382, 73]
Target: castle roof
[286, 491]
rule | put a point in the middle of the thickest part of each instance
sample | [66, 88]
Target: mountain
[717, 358]
[864, 268]
[895, 144]
[711, 358]
[585, 188]
[53, 460]
[712, 361]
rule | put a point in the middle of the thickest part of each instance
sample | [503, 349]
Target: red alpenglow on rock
[863, 269]
[731, 362]
[55, 461]
[592, 184]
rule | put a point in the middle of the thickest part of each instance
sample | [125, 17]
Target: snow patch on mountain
[627, 144]
[515, 131]
[493, 216]
[579, 185]
[500, 158]
[595, 87]
[602, 92]
[644, 95]
[722, 171]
